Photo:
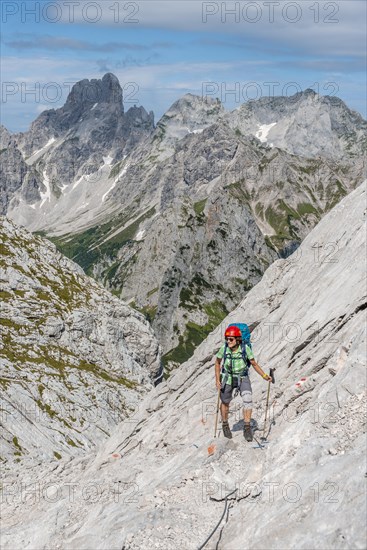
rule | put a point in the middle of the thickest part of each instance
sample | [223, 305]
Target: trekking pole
[216, 416]
[271, 374]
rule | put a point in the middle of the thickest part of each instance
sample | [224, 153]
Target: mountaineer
[237, 356]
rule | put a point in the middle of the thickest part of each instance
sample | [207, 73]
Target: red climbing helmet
[233, 331]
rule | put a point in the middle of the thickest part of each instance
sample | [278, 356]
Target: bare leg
[224, 409]
[247, 415]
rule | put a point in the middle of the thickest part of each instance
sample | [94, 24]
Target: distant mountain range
[181, 218]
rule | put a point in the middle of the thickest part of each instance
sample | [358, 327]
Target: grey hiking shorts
[226, 394]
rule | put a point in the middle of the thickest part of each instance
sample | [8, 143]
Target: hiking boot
[247, 432]
[226, 430]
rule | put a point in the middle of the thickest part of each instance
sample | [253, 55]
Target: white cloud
[337, 27]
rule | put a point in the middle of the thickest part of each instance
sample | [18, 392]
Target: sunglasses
[230, 338]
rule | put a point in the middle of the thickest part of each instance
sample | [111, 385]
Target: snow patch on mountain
[78, 181]
[263, 131]
[105, 195]
[35, 156]
[46, 196]
[140, 235]
[123, 172]
[116, 180]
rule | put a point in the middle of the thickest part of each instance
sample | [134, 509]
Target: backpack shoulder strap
[225, 355]
[225, 351]
[244, 355]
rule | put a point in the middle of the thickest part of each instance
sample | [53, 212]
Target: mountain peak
[105, 90]
[110, 77]
[189, 114]
[195, 109]
[193, 101]
[309, 91]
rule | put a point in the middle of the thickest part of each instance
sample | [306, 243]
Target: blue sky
[161, 50]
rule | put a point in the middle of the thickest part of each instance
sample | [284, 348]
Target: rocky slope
[179, 220]
[15, 174]
[161, 481]
[74, 360]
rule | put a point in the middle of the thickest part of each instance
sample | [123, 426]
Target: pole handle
[271, 374]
